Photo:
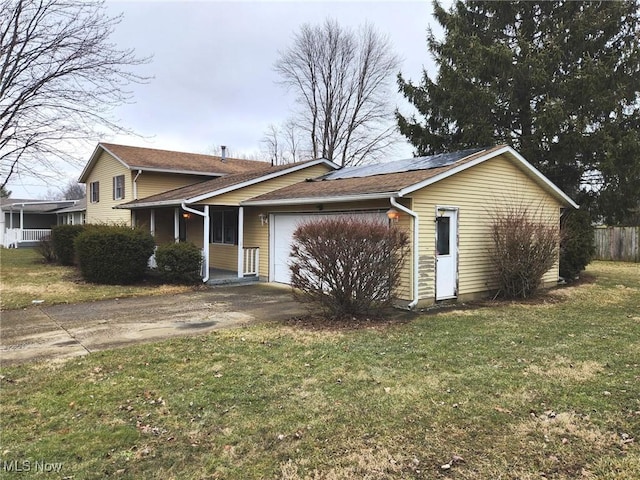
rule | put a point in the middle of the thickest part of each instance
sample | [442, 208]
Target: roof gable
[152, 159]
[221, 185]
[353, 184]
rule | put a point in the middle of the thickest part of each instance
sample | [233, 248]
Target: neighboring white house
[73, 215]
[24, 222]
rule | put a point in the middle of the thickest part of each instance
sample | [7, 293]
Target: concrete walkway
[63, 331]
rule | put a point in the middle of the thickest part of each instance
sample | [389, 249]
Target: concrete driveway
[62, 331]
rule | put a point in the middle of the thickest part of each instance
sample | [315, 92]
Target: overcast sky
[212, 67]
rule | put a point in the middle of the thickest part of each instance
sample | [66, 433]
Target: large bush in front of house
[113, 254]
[525, 247]
[347, 265]
[577, 246]
[62, 239]
[179, 262]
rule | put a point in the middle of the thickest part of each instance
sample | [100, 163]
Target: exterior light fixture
[441, 211]
[186, 215]
[393, 214]
[264, 219]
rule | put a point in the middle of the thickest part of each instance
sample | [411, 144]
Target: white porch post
[206, 241]
[133, 218]
[21, 217]
[176, 224]
[240, 242]
[152, 222]
[11, 218]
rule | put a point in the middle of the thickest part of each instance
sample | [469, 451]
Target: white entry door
[447, 254]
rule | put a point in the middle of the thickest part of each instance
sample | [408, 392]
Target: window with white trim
[118, 187]
[224, 227]
[94, 192]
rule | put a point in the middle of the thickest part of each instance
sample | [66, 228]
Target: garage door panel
[283, 226]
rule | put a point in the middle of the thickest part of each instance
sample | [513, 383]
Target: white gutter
[42, 202]
[135, 185]
[205, 237]
[318, 200]
[416, 249]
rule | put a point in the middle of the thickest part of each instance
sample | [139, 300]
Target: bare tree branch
[341, 80]
[60, 79]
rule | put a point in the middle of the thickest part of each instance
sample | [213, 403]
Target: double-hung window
[94, 192]
[224, 227]
[118, 187]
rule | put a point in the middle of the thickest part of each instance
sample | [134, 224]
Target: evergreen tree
[558, 81]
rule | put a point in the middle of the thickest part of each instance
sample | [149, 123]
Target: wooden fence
[617, 243]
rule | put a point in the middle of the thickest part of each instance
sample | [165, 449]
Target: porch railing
[14, 236]
[251, 261]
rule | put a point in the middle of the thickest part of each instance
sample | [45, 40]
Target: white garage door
[282, 226]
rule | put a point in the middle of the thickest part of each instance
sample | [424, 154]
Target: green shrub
[179, 262]
[346, 265]
[62, 238]
[113, 254]
[577, 246]
[525, 247]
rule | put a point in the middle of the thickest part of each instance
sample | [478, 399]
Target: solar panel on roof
[399, 166]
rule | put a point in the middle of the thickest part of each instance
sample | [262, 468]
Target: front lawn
[546, 389]
[25, 279]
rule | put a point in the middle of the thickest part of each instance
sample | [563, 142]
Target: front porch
[217, 231]
[223, 276]
[24, 237]
[218, 276]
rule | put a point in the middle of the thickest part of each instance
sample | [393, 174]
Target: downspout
[135, 185]
[240, 242]
[416, 249]
[205, 237]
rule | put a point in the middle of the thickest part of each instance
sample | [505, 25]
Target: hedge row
[118, 254]
[113, 254]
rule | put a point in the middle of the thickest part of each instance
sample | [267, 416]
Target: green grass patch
[512, 390]
[26, 278]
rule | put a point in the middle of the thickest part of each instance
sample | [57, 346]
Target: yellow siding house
[243, 213]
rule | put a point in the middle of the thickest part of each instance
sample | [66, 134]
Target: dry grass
[562, 368]
[544, 390]
[25, 279]
[358, 462]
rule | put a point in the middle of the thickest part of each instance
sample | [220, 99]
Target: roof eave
[329, 199]
[263, 178]
[94, 158]
[160, 203]
[182, 172]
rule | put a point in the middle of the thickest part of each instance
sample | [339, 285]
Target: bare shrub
[347, 265]
[46, 250]
[525, 247]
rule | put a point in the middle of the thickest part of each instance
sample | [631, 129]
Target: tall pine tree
[559, 81]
